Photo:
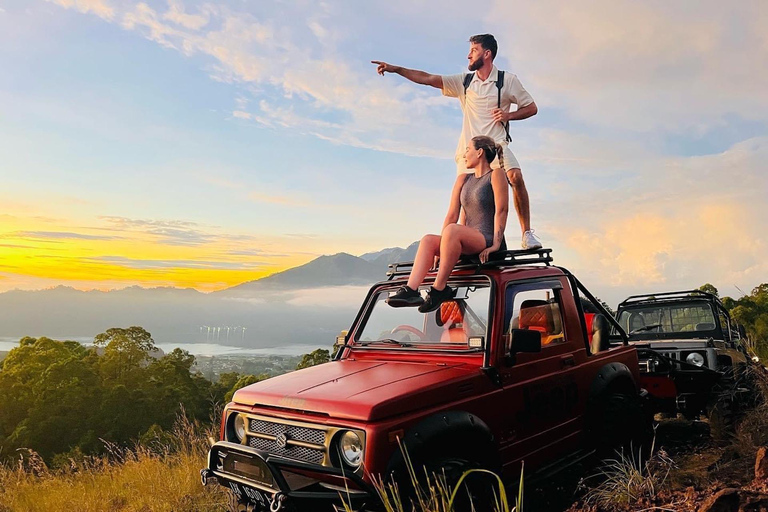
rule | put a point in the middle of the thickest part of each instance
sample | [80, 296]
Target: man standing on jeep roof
[485, 95]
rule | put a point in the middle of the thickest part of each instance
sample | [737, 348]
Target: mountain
[337, 270]
[340, 269]
[391, 255]
[269, 312]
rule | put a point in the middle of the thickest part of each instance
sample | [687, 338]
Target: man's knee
[515, 177]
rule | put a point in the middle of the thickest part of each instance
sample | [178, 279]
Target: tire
[622, 425]
[477, 489]
[721, 413]
[476, 492]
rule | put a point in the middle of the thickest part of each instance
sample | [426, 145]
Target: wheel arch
[442, 427]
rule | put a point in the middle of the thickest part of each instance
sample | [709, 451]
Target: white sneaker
[530, 241]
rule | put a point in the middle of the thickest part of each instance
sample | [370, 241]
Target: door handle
[567, 361]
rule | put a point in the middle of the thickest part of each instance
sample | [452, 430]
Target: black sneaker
[404, 297]
[435, 298]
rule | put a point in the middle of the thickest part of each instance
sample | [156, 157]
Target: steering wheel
[410, 329]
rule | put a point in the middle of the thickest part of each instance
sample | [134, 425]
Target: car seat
[543, 316]
[451, 318]
[601, 331]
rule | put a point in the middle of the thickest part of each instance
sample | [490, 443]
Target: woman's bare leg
[429, 247]
[455, 241]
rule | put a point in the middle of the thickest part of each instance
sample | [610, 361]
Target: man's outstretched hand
[383, 67]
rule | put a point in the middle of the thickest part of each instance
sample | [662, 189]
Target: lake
[198, 349]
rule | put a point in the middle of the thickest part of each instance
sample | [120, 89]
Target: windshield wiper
[645, 328]
[386, 341]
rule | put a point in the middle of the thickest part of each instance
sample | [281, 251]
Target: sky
[204, 144]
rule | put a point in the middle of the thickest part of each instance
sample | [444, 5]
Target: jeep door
[540, 390]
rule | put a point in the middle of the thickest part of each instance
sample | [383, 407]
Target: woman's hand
[486, 252]
[434, 263]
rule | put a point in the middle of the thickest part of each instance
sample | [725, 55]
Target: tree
[751, 311]
[126, 352]
[244, 380]
[708, 288]
[315, 357]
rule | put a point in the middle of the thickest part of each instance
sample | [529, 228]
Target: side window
[724, 325]
[537, 309]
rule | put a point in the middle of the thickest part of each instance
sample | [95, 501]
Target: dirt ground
[695, 468]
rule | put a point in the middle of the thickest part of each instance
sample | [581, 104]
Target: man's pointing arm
[414, 75]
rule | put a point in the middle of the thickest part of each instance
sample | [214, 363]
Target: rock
[726, 500]
[755, 504]
[761, 463]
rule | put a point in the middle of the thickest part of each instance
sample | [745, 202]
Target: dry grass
[433, 493]
[159, 477]
[628, 479]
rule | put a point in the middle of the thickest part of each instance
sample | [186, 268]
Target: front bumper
[276, 483]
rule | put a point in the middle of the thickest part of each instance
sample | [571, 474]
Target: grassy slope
[164, 478]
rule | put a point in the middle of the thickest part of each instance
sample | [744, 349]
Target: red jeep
[505, 372]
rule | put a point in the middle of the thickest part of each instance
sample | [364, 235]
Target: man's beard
[474, 66]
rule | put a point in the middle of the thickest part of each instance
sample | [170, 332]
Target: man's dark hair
[487, 41]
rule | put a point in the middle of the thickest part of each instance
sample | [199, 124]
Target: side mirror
[341, 339]
[523, 340]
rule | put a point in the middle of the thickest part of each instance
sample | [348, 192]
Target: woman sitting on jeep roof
[474, 224]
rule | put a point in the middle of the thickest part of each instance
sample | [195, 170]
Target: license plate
[258, 498]
[250, 467]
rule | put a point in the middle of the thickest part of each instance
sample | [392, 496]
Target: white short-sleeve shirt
[480, 99]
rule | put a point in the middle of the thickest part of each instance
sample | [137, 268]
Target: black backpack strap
[468, 80]
[499, 85]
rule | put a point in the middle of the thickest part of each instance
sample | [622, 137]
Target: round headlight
[695, 358]
[351, 448]
[239, 427]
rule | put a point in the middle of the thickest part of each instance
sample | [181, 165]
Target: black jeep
[693, 356]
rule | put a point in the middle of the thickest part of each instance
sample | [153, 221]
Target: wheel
[438, 468]
[622, 424]
[721, 413]
[476, 490]
[409, 329]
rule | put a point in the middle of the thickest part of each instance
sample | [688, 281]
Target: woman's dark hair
[490, 149]
[487, 41]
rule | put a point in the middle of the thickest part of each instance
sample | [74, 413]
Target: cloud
[15, 246]
[337, 297]
[261, 197]
[639, 65]
[98, 7]
[676, 223]
[177, 15]
[150, 264]
[169, 232]
[328, 97]
[60, 235]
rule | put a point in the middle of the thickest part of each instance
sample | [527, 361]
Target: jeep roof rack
[499, 259]
[669, 296]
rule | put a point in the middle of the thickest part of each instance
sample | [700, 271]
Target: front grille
[308, 435]
[293, 433]
[291, 452]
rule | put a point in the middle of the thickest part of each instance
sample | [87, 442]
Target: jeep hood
[362, 390]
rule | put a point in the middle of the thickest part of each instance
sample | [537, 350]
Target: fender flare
[441, 425]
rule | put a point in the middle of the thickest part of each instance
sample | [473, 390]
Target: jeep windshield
[459, 324]
[666, 320]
